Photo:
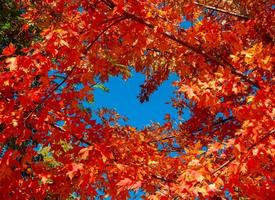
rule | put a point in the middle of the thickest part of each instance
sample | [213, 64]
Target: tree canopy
[51, 146]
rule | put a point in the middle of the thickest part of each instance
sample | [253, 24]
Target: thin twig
[185, 44]
[48, 95]
[101, 33]
[248, 149]
[64, 130]
[70, 72]
[196, 131]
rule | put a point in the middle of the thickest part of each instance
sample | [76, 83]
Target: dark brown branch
[162, 178]
[248, 149]
[196, 131]
[38, 105]
[102, 32]
[64, 130]
[222, 10]
[48, 95]
[211, 58]
[109, 3]
[187, 45]
[238, 73]
[109, 20]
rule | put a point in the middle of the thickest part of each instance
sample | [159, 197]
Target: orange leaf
[74, 169]
[127, 184]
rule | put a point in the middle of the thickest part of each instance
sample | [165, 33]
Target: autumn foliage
[51, 147]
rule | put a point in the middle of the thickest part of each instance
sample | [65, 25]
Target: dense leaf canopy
[52, 148]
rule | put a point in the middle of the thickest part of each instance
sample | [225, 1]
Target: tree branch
[248, 149]
[64, 130]
[48, 95]
[102, 32]
[196, 131]
[70, 72]
[211, 58]
[222, 10]
[185, 44]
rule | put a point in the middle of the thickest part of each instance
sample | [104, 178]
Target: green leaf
[6, 26]
[102, 87]
[65, 145]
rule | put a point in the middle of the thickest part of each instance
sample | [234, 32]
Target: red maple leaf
[9, 50]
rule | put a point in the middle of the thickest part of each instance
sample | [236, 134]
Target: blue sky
[122, 97]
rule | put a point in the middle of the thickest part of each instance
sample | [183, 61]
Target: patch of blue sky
[175, 144]
[247, 72]
[59, 77]
[3, 150]
[161, 5]
[60, 123]
[227, 195]
[78, 86]
[99, 197]
[52, 72]
[38, 147]
[185, 24]
[56, 73]
[160, 146]
[61, 87]
[136, 195]
[204, 148]
[220, 115]
[75, 195]
[122, 96]
[221, 151]
[100, 192]
[173, 154]
[80, 9]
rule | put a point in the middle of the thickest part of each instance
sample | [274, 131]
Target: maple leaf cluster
[51, 148]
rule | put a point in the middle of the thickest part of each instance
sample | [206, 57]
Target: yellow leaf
[104, 158]
[12, 63]
[246, 124]
[250, 54]
[152, 162]
[219, 182]
[65, 145]
[149, 14]
[249, 99]
[202, 190]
